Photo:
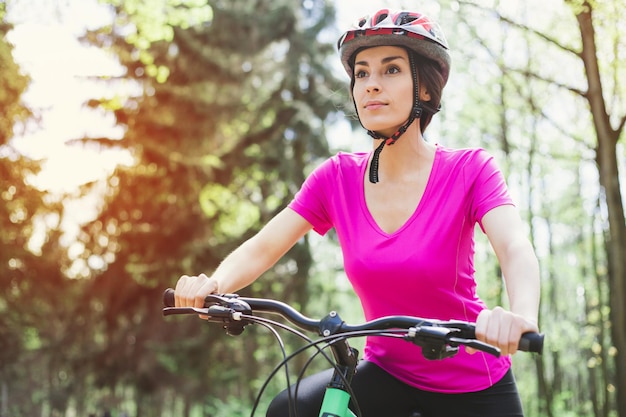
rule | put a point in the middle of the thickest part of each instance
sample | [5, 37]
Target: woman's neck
[407, 156]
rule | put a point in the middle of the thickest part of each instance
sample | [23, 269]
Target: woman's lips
[374, 105]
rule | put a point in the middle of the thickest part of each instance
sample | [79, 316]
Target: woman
[405, 219]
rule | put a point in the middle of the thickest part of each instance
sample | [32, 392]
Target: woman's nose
[372, 84]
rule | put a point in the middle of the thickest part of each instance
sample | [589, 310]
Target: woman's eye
[393, 70]
[360, 74]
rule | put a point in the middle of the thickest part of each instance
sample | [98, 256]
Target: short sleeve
[489, 189]
[311, 201]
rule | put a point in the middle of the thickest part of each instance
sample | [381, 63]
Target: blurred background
[145, 139]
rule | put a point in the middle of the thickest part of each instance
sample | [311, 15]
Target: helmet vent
[405, 18]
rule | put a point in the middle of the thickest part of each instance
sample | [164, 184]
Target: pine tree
[230, 117]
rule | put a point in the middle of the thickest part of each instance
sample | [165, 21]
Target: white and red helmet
[387, 27]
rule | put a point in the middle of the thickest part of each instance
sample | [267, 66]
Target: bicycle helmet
[387, 27]
[410, 30]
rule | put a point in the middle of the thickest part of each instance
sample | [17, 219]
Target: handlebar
[236, 312]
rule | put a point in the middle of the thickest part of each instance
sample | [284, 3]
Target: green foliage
[531, 120]
[154, 22]
[229, 406]
[238, 216]
[221, 140]
[225, 118]
[12, 85]
[26, 278]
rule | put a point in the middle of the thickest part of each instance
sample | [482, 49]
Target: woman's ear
[424, 95]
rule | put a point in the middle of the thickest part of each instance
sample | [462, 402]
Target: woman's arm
[246, 263]
[520, 269]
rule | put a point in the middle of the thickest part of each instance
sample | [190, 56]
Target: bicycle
[438, 339]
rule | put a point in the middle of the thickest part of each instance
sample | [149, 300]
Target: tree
[569, 33]
[30, 255]
[607, 137]
[232, 103]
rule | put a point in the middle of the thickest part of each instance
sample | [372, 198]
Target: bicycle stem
[346, 357]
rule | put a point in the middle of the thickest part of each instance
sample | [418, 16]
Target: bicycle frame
[335, 404]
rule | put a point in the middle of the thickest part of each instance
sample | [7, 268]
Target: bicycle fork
[337, 395]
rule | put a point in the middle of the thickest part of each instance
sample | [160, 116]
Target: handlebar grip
[531, 342]
[168, 298]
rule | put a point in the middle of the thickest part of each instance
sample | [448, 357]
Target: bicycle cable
[327, 341]
[268, 324]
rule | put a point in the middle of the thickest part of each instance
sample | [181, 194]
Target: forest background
[206, 125]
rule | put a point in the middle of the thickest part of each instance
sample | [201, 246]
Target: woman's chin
[382, 128]
[384, 131]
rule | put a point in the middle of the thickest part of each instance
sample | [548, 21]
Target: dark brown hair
[431, 80]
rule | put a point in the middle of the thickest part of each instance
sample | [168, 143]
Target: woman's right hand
[191, 290]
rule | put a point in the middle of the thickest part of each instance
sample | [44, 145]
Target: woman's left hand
[503, 329]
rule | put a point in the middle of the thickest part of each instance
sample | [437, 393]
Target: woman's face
[383, 88]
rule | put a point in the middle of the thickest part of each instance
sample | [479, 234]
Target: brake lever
[170, 311]
[222, 299]
[476, 344]
[213, 312]
[227, 309]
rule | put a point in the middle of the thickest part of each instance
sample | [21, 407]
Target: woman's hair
[430, 79]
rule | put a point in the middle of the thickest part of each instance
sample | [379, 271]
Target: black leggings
[381, 395]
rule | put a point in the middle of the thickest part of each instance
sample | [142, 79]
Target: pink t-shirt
[424, 269]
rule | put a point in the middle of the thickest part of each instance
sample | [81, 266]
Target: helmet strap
[416, 113]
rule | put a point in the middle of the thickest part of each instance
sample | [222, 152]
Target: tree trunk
[606, 159]
[4, 399]
[601, 285]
